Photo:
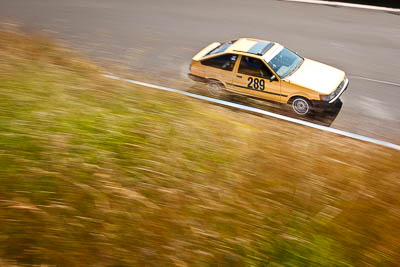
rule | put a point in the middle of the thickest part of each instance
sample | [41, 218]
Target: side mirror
[272, 78]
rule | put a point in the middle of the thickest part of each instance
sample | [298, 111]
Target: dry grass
[96, 172]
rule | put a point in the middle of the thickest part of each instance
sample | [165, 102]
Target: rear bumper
[197, 78]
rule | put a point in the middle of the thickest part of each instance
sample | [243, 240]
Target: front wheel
[301, 106]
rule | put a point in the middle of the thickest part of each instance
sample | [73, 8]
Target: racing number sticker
[256, 84]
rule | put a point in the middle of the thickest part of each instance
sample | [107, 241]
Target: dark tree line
[385, 3]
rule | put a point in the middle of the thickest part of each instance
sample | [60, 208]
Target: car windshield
[285, 63]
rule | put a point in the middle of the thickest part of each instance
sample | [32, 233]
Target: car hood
[317, 76]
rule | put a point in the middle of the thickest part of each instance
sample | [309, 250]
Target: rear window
[225, 62]
[221, 48]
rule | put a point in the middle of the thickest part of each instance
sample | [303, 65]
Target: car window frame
[258, 76]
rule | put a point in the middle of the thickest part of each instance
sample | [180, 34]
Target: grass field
[96, 172]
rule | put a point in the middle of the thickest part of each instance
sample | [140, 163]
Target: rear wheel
[215, 88]
[301, 106]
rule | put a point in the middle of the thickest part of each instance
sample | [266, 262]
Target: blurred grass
[95, 172]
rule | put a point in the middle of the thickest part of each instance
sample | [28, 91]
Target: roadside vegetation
[95, 172]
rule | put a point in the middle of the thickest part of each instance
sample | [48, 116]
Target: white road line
[329, 3]
[260, 111]
[372, 80]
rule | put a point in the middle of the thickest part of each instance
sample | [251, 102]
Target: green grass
[95, 172]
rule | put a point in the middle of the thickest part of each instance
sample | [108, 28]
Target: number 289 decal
[256, 84]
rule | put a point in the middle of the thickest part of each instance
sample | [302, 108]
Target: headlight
[334, 93]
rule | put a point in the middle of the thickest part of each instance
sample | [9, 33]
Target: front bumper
[318, 105]
[333, 103]
[346, 84]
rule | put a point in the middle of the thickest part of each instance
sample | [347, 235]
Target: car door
[253, 78]
[220, 67]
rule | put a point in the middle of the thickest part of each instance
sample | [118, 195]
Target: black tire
[215, 88]
[301, 106]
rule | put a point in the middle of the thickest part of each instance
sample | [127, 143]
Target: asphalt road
[159, 37]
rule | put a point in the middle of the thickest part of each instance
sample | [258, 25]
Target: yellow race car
[267, 70]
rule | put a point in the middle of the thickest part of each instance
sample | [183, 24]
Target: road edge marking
[260, 111]
[329, 3]
[373, 80]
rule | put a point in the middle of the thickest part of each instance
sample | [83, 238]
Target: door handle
[238, 76]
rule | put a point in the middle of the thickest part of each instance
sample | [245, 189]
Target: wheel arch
[210, 80]
[292, 97]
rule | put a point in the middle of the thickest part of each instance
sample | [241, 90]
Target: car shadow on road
[325, 118]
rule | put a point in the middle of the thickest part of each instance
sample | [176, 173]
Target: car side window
[225, 62]
[254, 67]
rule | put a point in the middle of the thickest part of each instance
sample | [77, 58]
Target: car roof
[252, 46]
